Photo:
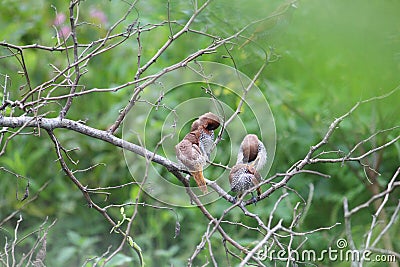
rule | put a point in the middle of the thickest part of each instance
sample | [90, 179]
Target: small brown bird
[252, 157]
[243, 177]
[252, 151]
[195, 148]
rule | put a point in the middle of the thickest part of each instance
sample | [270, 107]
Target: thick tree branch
[51, 124]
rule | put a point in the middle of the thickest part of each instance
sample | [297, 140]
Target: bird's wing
[190, 155]
[256, 177]
[192, 137]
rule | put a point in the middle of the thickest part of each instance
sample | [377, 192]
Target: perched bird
[195, 148]
[243, 177]
[189, 154]
[252, 151]
[252, 157]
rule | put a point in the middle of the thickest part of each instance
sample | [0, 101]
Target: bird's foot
[234, 199]
[254, 199]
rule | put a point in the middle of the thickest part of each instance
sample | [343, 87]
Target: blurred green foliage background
[329, 55]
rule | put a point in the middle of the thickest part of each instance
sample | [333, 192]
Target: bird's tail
[200, 181]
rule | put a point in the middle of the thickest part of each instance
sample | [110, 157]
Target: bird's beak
[255, 162]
